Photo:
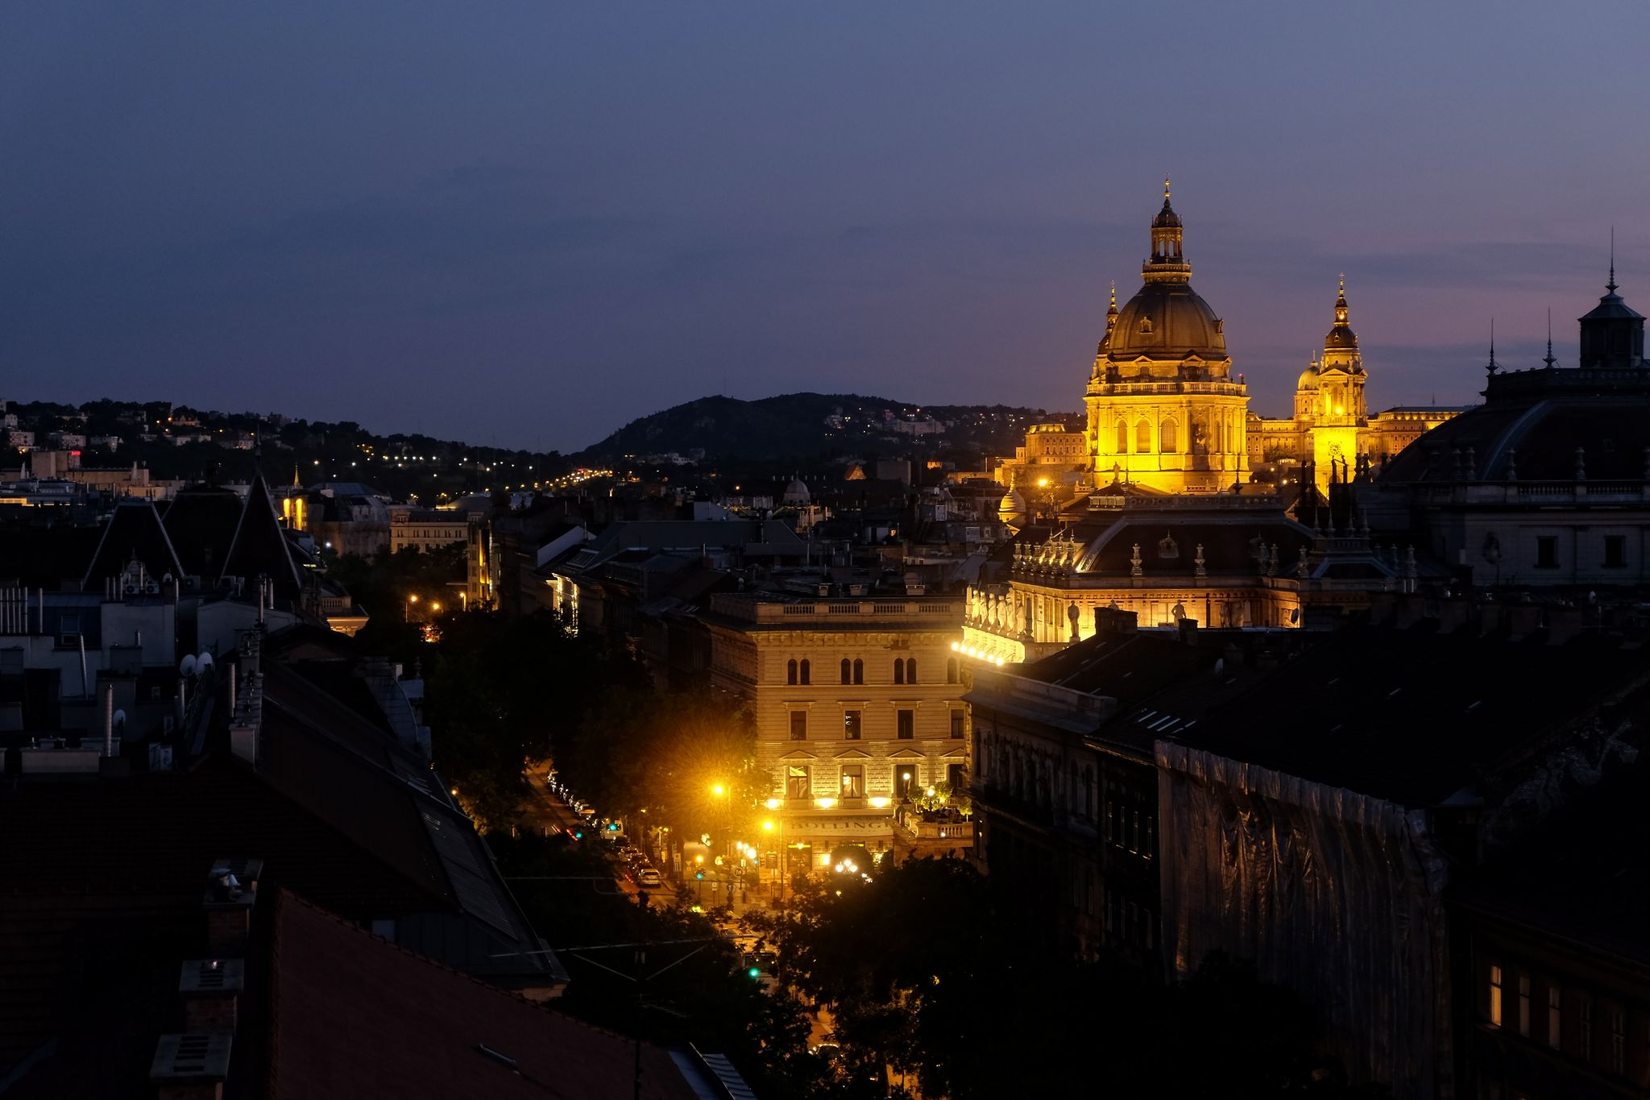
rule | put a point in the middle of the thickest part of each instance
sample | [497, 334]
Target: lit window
[799, 725]
[852, 723]
[958, 722]
[796, 782]
[1495, 996]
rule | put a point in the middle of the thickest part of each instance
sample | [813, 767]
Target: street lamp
[406, 608]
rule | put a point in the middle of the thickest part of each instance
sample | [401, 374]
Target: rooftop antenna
[1549, 360]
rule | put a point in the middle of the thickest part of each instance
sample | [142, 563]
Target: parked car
[648, 877]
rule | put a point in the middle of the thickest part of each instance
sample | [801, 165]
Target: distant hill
[816, 425]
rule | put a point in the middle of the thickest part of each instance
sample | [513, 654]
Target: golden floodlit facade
[1165, 413]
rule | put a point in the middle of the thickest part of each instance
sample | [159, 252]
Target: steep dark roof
[259, 547]
[133, 533]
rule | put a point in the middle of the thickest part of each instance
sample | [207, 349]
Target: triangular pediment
[953, 754]
[798, 754]
[905, 754]
[852, 754]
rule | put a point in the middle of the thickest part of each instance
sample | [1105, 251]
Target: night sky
[525, 224]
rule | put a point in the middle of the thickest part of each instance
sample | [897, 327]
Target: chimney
[190, 1066]
[1110, 622]
[211, 990]
[231, 892]
[108, 719]
[246, 720]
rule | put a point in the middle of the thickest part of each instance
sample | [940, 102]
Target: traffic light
[699, 875]
[578, 834]
[612, 826]
[753, 972]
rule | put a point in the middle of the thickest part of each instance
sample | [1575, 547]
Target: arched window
[859, 671]
[1122, 438]
[910, 670]
[1169, 436]
[790, 671]
[847, 674]
[1143, 437]
[952, 672]
[899, 671]
[806, 671]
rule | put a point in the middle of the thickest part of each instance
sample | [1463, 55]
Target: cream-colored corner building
[858, 706]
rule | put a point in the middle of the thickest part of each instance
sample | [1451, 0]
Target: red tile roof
[358, 1016]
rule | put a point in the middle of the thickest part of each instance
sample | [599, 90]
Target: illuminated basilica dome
[1164, 413]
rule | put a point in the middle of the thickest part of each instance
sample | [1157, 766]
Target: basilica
[1167, 415]
[1177, 507]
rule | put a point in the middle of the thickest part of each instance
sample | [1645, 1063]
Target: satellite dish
[186, 667]
[203, 662]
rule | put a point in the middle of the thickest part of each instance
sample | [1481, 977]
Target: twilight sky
[527, 223]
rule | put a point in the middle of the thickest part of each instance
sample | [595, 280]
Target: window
[1143, 437]
[807, 676]
[910, 670]
[1585, 1019]
[1524, 1005]
[959, 722]
[796, 782]
[905, 777]
[1555, 1016]
[1495, 996]
[852, 724]
[899, 671]
[799, 725]
[1546, 551]
[953, 671]
[847, 671]
[790, 671]
[859, 671]
[1122, 438]
[1169, 436]
[1615, 551]
[1618, 1040]
[853, 781]
[905, 724]
[954, 776]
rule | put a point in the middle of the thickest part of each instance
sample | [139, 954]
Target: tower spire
[1549, 360]
[1611, 285]
[1492, 366]
[1166, 202]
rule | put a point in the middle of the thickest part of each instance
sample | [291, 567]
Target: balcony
[946, 826]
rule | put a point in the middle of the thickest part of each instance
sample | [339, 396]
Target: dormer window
[1145, 326]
